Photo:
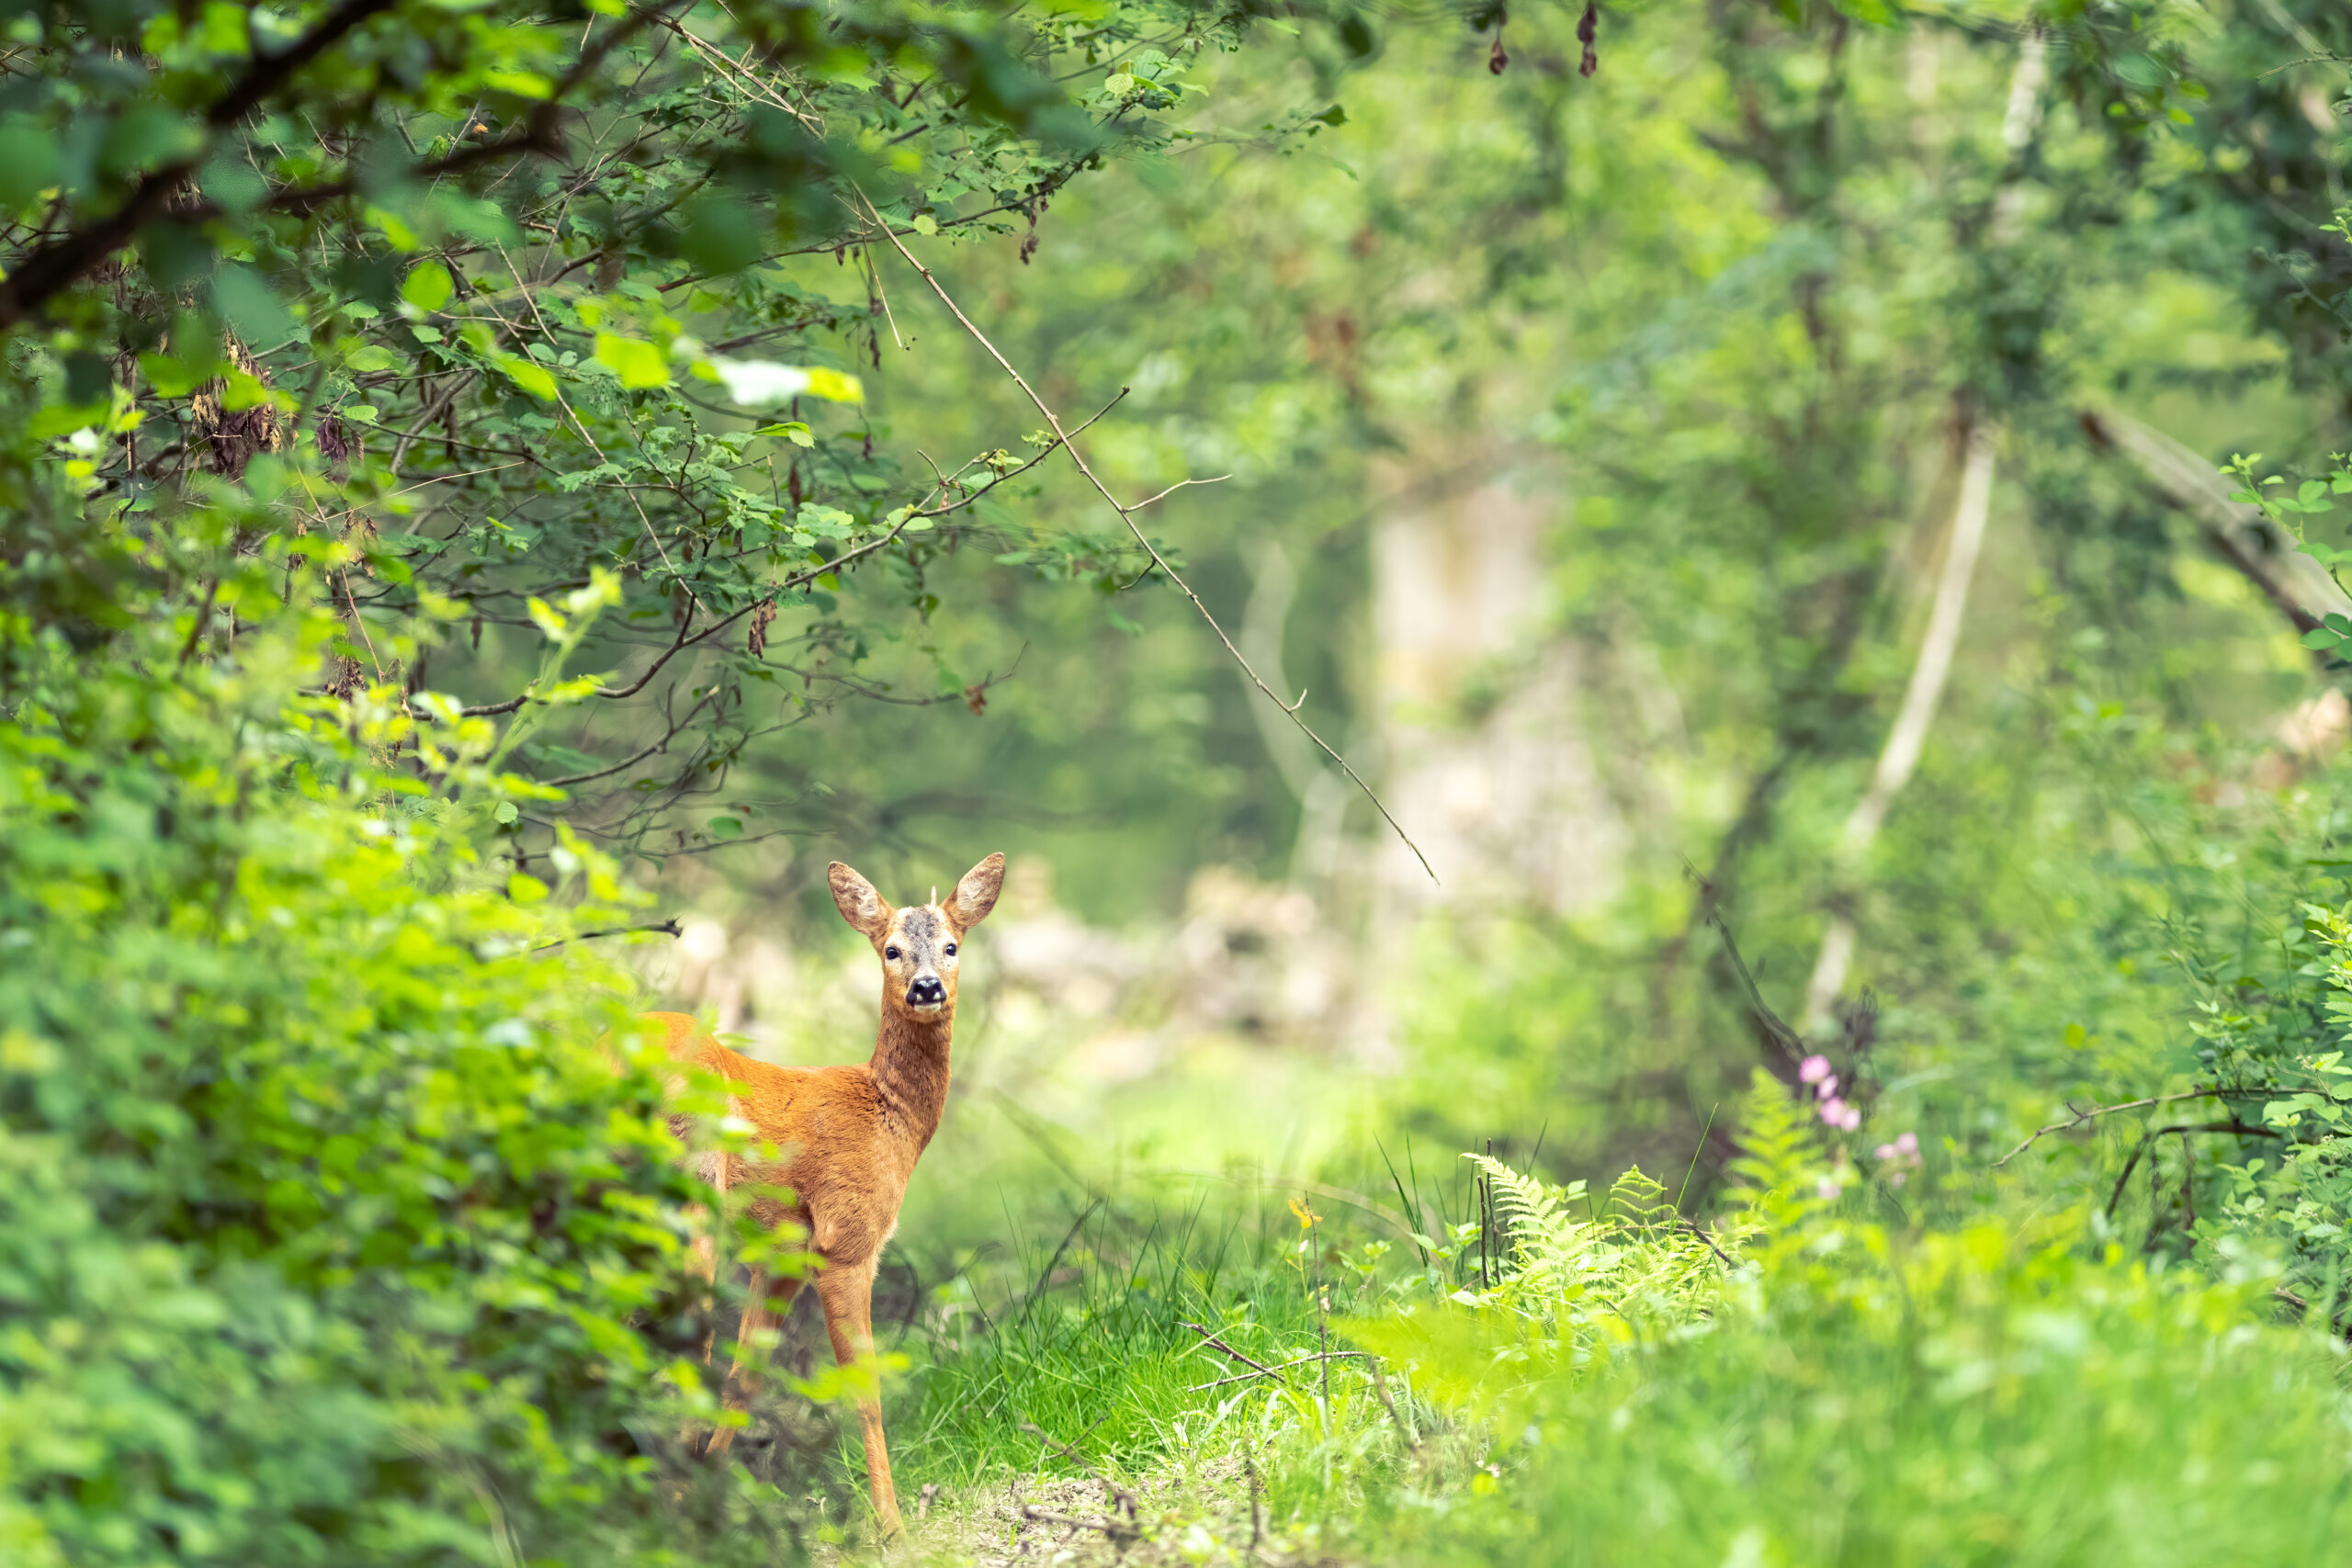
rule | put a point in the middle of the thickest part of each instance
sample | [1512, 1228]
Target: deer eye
[889, 952]
[951, 950]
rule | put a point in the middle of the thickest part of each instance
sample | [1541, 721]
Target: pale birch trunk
[2020, 120]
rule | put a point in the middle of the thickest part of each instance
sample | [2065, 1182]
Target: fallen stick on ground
[1113, 1492]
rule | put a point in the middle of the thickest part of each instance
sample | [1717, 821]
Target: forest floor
[1170, 1516]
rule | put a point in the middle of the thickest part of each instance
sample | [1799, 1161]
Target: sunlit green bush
[2007, 1391]
[327, 1232]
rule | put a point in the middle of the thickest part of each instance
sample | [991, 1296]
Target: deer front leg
[764, 1307]
[847, 1295]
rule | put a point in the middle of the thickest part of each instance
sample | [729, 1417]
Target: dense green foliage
[2004, 1391]
[327, 1234]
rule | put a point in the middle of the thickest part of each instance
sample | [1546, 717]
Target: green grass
[1085, 1336]
[2021, 1407]
[2010, 1390]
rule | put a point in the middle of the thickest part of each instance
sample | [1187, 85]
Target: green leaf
[369, 358]
[28, 163]
[428, 285]
[170, 377]
[2322, 638]
[522, 84]
[532, 377]
[834, 386]
[251, 307]
[726, 827]
[634, 361]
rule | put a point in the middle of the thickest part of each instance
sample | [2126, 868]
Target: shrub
[327, 1234]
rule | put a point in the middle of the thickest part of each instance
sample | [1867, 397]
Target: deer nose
[926, 991]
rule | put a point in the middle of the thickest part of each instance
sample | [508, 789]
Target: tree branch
[1126, 515]
[2084, 1118]
[1900, 757]
[2296, 585]
[55, 264]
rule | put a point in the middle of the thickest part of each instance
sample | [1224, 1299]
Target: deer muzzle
[926, 993]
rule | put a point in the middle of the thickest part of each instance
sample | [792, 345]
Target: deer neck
[909, 1068]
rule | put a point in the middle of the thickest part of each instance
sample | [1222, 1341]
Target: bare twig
[1308, 1360]
[1237, 1354]
[1380, 1387]
[2083, 1118]
[632, 762]
[667, 928]
[1770, 1024]
[1704, 1234]
[1171, 490]
[203, 619]
[2336, 1321]
[1115, 1529]
[1126, 515]
[1113, 1492]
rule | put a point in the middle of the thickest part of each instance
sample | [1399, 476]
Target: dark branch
[667, 928]
[56, 264]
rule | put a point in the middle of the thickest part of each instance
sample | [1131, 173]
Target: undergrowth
[1601, 1381]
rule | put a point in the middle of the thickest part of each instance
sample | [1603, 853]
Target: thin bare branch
[1113, 1492]
[2083, 1118]
[1126, 515]
[662, 744]
[666, 928]
[1229, 1350]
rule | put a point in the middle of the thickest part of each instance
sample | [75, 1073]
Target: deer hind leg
[847, 1295]
[764, 1306]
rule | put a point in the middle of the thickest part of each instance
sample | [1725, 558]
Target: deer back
[844, 1162]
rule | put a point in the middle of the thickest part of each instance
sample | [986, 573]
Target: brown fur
[848, 1137]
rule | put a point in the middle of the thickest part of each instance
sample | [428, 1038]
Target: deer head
[919, 944]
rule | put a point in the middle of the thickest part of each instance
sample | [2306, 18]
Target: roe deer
[847, 1137]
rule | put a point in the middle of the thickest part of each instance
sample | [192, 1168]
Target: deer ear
[859, 904]
[976, 895]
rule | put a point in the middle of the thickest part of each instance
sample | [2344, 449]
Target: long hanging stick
[2020, 120]
[1900, 758]
[1126, 515]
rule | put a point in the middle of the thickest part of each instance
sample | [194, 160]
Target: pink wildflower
[1833, 1110]
[1813, 1069]
[1907, 1143]
[1828, 1090]
[1884, 1151]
